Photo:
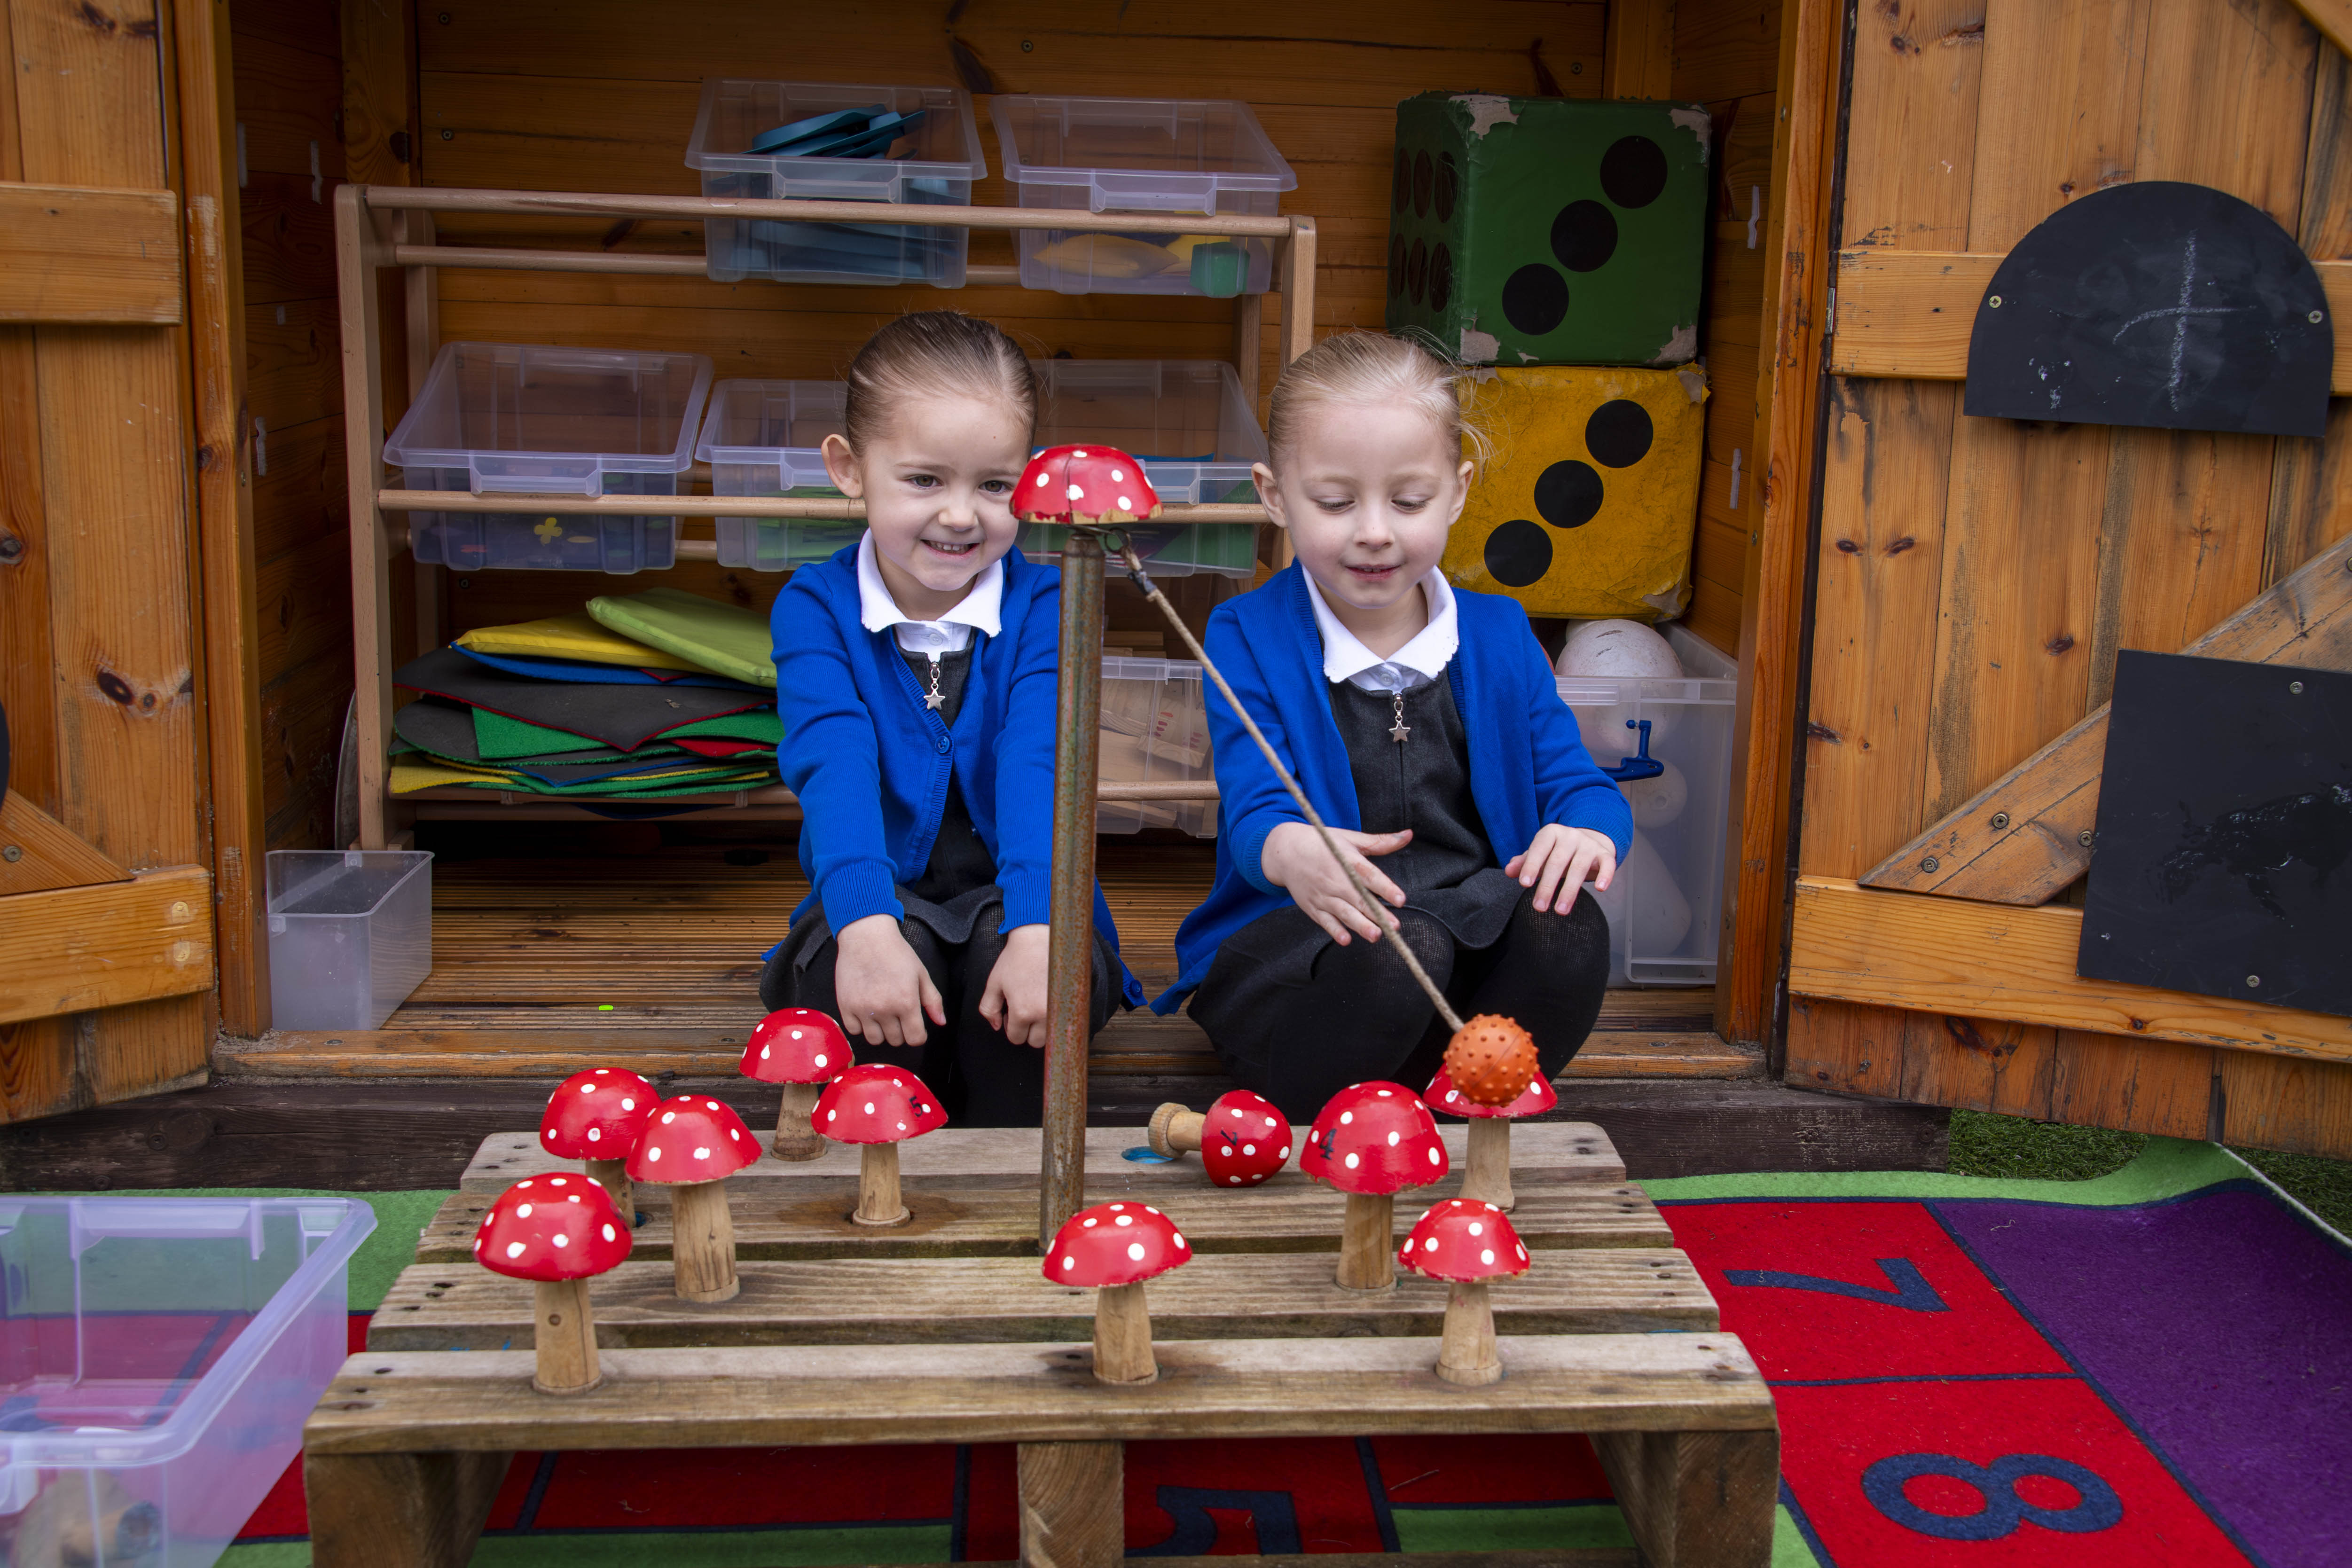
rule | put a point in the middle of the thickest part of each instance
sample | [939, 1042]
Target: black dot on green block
[1618, 434]
[1584, 235]
[1535, 298]
[1403, 191]
[1567, 494]
[1441, 276]
[1449, 186]
[1416, 270]
[1396, 265]
[1634, 172]
[1517, 553]
[1423, 177]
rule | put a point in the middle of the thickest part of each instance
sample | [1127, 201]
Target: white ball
[1661, 915]
[1657, 802]
[1616, 650]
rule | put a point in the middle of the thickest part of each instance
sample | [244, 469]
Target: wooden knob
[1176, 1130]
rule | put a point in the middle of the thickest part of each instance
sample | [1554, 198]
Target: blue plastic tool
[1641, 765]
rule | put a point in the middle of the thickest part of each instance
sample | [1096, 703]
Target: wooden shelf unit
[391, 227]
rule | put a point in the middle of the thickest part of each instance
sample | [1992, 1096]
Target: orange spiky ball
[1491, 1060]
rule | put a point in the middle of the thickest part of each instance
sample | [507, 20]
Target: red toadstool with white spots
[1241, 1138]
[879, 1107]
[1465, 1243]
[1084, 484]
[1486, 1177]
[596, 1117]
[692, 1145]
[803, 1050]
[1369, 1141]
[1112, 1248]
[558, 1232]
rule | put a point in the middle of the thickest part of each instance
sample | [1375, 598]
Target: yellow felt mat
[576, 636]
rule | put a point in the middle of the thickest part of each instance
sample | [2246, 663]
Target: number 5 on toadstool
[1111, 1249]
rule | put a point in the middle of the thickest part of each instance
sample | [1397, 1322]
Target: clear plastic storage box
[943, 161]
[765, 438]
[1666, 905]
[500, 417]
[350, 934]
[1154, 731]
[160, 1356]
[1157, 156]
[1189, 424]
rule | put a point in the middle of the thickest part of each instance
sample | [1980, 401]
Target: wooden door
[106, 892]
[1975, 577]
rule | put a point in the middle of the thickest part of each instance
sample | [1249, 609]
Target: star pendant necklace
[1402, 730]
[934, 699]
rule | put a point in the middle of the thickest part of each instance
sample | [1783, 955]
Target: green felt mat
[723, 638]
[500, 738]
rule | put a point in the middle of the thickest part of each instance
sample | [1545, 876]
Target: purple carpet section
[2221, 1324]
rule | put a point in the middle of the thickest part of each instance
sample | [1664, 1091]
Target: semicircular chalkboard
[2162, 304]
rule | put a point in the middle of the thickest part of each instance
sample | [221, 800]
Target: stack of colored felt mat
[638, 698]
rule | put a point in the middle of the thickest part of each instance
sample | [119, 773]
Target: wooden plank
[79, 254]
[1639, 49]
[38, 854]
[399, 1510]
[2332, 18]
[2135, 1085]
[1542, 1152]
[2021, 839]
[2281, 1102]
[1988, 961]
[1909, 313]
[1003, 1300]
[1694, 1498]
[1724, 48]
[74, 948]
[828, 1394]
[951, 1220]
[1073, 1503]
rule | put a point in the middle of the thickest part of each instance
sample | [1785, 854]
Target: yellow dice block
[1589, 502]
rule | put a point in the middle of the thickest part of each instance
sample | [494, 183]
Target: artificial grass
[2323, 1187]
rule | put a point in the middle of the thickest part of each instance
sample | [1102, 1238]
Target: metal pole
[1062, 1183]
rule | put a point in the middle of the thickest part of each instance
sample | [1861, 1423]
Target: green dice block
[1548, 230]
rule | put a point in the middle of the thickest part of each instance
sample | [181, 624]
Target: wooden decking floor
[541, 963]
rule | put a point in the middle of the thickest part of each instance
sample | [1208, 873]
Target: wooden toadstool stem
[795, 1139]
[1488, 1179]
[1466, 1354]
[564, 1332]
[612, 1175]
[1368, 1242]
[879, 1201]
[1123, 1336]
[702, 1242]
[1175, 1130]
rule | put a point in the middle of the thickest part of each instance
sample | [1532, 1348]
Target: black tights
[1359, 1015]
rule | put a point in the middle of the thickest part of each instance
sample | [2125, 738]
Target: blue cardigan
[871, 764]
[1527, 766]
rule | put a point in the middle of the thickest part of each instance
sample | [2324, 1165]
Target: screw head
[1027, 47]
[2254, 980]
[12, 854]
[1994, 302]
[2316, 317]
[2000, 819]
[1930, 864]
[447, 135]
[2295, 686]
[2085, 837]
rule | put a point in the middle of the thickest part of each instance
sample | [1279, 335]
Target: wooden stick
[702, 1242]
[1489, 1178]
[564, 1337]
[824, 507]
[1367, 1242]
[1123, 1336]
[1466, 1354]
[879, 1201]
[1372, 906]
[795, 1139]
[1175, 1130]
[592, 204]
[612, 1175]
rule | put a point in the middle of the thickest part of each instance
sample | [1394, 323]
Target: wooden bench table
[943, 1330]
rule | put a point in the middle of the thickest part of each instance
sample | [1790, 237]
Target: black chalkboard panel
[2224, 859]
[2162, 304]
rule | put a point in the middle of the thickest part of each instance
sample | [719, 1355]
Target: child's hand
[1295, 860]
[881, 987]
[1560, 860]
[1014, 1000]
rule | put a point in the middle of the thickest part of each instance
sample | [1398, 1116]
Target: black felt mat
[622, 717]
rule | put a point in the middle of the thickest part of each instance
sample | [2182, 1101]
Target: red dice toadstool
[803, 1050]
[596, 1117]
[556, 1231]
[1241, 1138]
[1112, 1248]
[692, 1145]
[1486, 1177]
[1084, 484]
[1370, 1141]
[879, 1107]
[1465, 1243]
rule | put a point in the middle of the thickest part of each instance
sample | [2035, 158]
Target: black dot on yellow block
[1517, 553]
[1618, 435]
[1567, 494]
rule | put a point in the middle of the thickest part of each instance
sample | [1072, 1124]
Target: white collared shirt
[952, 633]
[1418, 662]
